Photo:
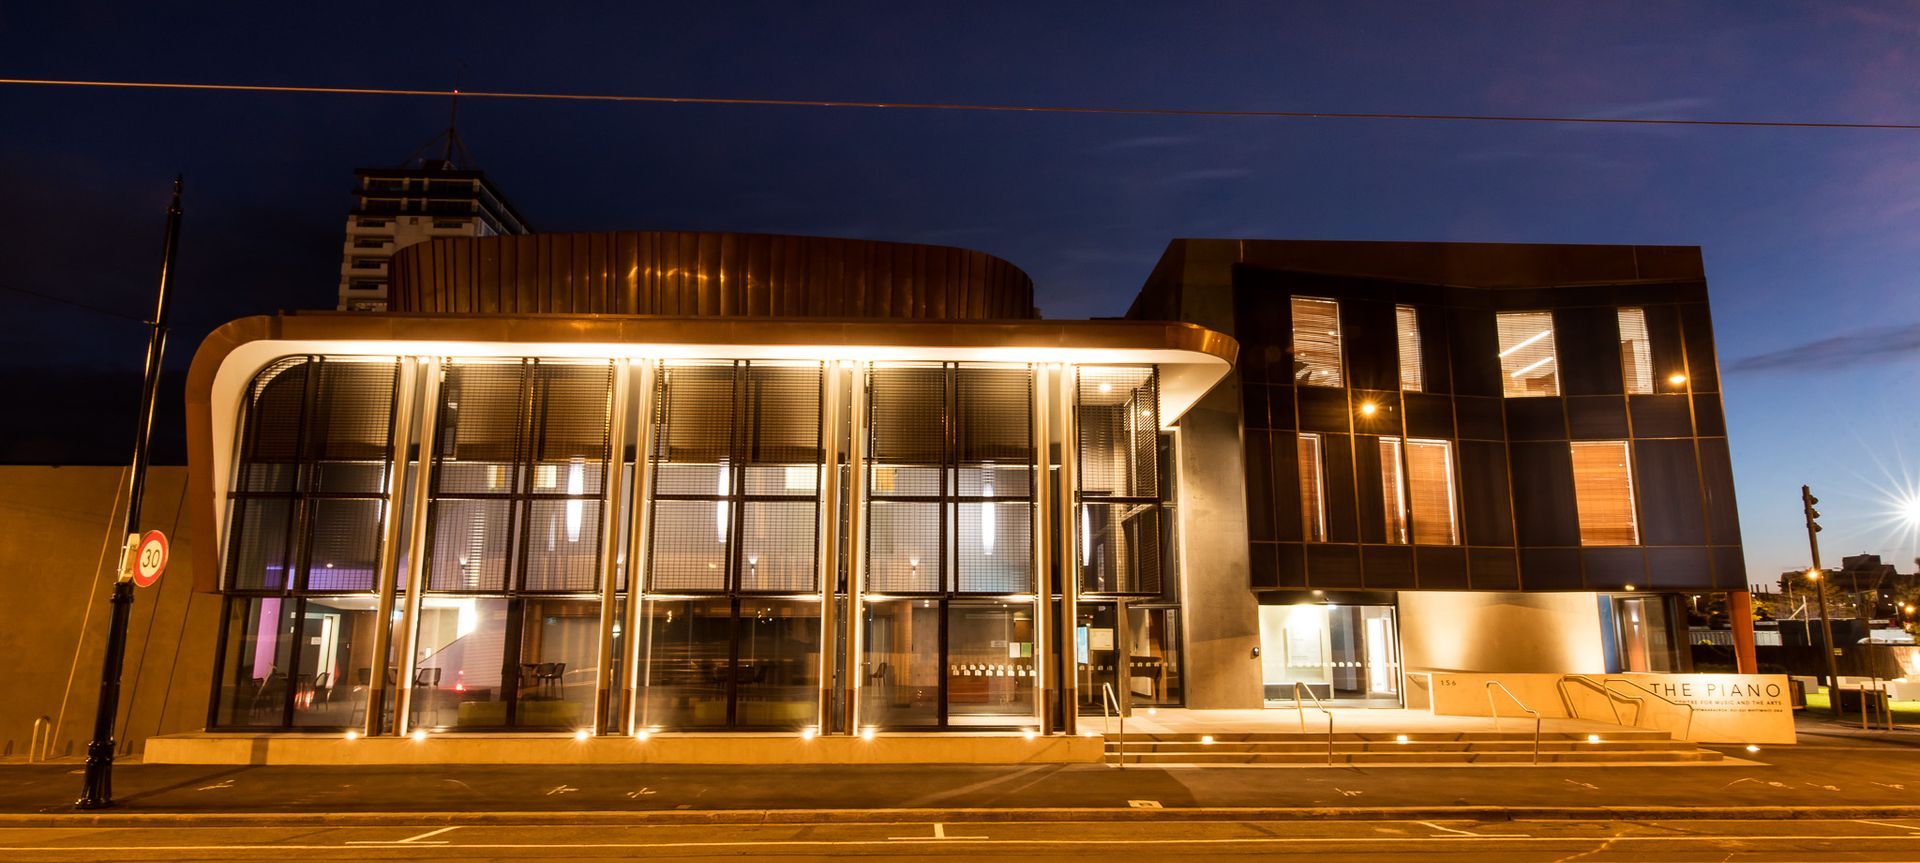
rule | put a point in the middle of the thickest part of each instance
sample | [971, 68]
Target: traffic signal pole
[98, 790]
[1807, 500]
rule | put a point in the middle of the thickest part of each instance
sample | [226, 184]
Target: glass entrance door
[747, 662]
[1345, 654]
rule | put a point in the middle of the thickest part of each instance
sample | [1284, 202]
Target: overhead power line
[54, 298]
[955, 106]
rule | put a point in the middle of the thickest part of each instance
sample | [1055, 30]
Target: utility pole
[1807, 500]
[98, 791]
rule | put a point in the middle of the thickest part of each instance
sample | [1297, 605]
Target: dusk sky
[1811, 236]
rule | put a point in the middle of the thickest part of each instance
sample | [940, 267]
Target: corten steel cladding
[729, 275]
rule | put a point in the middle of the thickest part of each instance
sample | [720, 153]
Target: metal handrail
[1120, 743]
[40, 746]
[1640, 708]
[1685, 731]
[1495, 710]
[1302, 711]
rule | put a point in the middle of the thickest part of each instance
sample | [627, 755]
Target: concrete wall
[1501, 632]
[57, 551]
[1219, 614]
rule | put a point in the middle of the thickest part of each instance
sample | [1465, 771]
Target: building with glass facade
[546, 505]
[616, 484]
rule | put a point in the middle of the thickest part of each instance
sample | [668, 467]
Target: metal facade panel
[707, 274]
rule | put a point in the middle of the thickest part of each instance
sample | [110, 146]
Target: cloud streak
[1865, 347]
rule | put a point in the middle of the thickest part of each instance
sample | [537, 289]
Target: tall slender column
[829, 519]
[390, 539]
[1740, 615]
[1068, 423]
[1045, 639]
[417, 547]
[856, 540]
[639, 529]
[610, 497]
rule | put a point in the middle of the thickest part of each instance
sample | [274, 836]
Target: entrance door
[1344, 654]
[1644, 632]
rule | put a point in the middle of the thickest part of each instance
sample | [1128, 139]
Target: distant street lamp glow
[1367, 409]
[1676, 379]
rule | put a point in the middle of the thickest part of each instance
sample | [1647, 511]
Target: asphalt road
[1820, 772]
[1478, 842]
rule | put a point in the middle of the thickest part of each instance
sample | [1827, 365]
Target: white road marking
[1144, 804]
[1587, 785]
[1907, 827]
[562, 789]
[1895, 786]
[224, 783]
[939, 834]
[1345, 793]
[1453, 832]
[410, 840]
[632, 795]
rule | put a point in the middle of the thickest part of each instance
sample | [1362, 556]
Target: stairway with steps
[1444, 749]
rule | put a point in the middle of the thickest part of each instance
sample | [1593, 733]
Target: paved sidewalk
[1835, 766]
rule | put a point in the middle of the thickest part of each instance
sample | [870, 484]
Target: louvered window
[1416, 479]
[308, 500]
[1636, 351]
[1316, 342]
[949, 478]
[1603, 493]
[309, 491]
[1528, 365]
[737, 465]
[1407, 322]
[519, 473]
[1119, 472]
[1313, 490]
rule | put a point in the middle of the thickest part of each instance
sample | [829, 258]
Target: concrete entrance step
[1391, 759]
[1620, 746]
[1610, 735]
[1410, 746]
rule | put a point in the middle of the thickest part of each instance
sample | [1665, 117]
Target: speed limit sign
[150, 559]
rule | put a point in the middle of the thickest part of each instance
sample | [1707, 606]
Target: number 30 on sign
[149, 559]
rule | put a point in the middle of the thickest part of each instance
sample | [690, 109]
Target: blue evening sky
[1810, 236]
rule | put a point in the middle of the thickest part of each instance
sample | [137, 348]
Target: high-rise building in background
[424, 199]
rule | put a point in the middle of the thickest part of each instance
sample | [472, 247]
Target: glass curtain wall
[303, 545]
[1120, 532]
[732, 609]
[949, 617]
[509, 623]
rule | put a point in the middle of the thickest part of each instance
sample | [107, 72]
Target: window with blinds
[1528, 365]
[1313, 490]
[521, 455]
[1407, 322]
[1636, 351]
[309, 491]
[1316, 342]
[1416, 485]
[737, 463]
[950, 480]
[1603, 493]
[1119, 473]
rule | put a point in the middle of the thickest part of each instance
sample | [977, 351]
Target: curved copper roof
[705, 274]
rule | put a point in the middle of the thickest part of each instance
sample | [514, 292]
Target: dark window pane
[343, 554]
[257, 550]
